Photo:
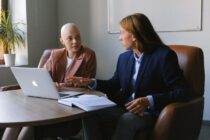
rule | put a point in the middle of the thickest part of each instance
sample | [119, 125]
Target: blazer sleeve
[91, 66]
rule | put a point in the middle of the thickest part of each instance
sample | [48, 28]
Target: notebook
[37, 82]
[88, 102]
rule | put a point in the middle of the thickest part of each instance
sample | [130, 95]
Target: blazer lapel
[75, 65]
[130, 66]
[142, 69]
[61, 68]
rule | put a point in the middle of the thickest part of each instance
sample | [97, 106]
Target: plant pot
[9, 59]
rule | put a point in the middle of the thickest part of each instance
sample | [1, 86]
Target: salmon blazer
[83, 65]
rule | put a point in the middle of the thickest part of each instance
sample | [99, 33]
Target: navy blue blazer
[159, 75]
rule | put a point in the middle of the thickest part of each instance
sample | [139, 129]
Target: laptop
[37, 82]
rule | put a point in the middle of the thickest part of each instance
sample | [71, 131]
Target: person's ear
[133, 38]
[61, 40]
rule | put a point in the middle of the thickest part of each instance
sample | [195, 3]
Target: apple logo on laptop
[34, 83]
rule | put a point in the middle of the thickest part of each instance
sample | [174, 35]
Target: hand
[60, 85]
[138, 106]
[78, 81]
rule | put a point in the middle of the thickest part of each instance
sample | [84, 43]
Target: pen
[74, 96]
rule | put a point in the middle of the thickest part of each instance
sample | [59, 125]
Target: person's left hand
[138, 106]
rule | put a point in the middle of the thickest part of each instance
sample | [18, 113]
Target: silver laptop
[37, 82]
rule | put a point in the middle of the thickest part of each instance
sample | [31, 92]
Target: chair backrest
[44, 57]
[191, 61]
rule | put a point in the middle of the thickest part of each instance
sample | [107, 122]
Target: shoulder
[88, 51]
[87, 54]
[161, 54]
[126, 54]
[58, 52]
[125, 57]
[161, 51]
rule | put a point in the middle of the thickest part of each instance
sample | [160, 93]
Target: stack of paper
[88, 102]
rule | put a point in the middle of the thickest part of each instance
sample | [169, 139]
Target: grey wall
[42, 28]
[41, 32]
[69, 16]
[91, 16]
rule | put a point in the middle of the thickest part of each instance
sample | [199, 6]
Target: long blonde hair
[140, 26]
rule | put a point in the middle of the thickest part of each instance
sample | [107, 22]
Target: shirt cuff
[151, 102]
[94, 85]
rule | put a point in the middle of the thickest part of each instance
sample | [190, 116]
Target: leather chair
[42, 61]
[182, 120]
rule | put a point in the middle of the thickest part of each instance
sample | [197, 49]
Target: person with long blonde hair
[147, 78]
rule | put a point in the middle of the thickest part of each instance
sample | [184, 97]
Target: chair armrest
[179, 121]
[9, 87]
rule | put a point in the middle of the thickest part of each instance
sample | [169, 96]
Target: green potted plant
[10, 35]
